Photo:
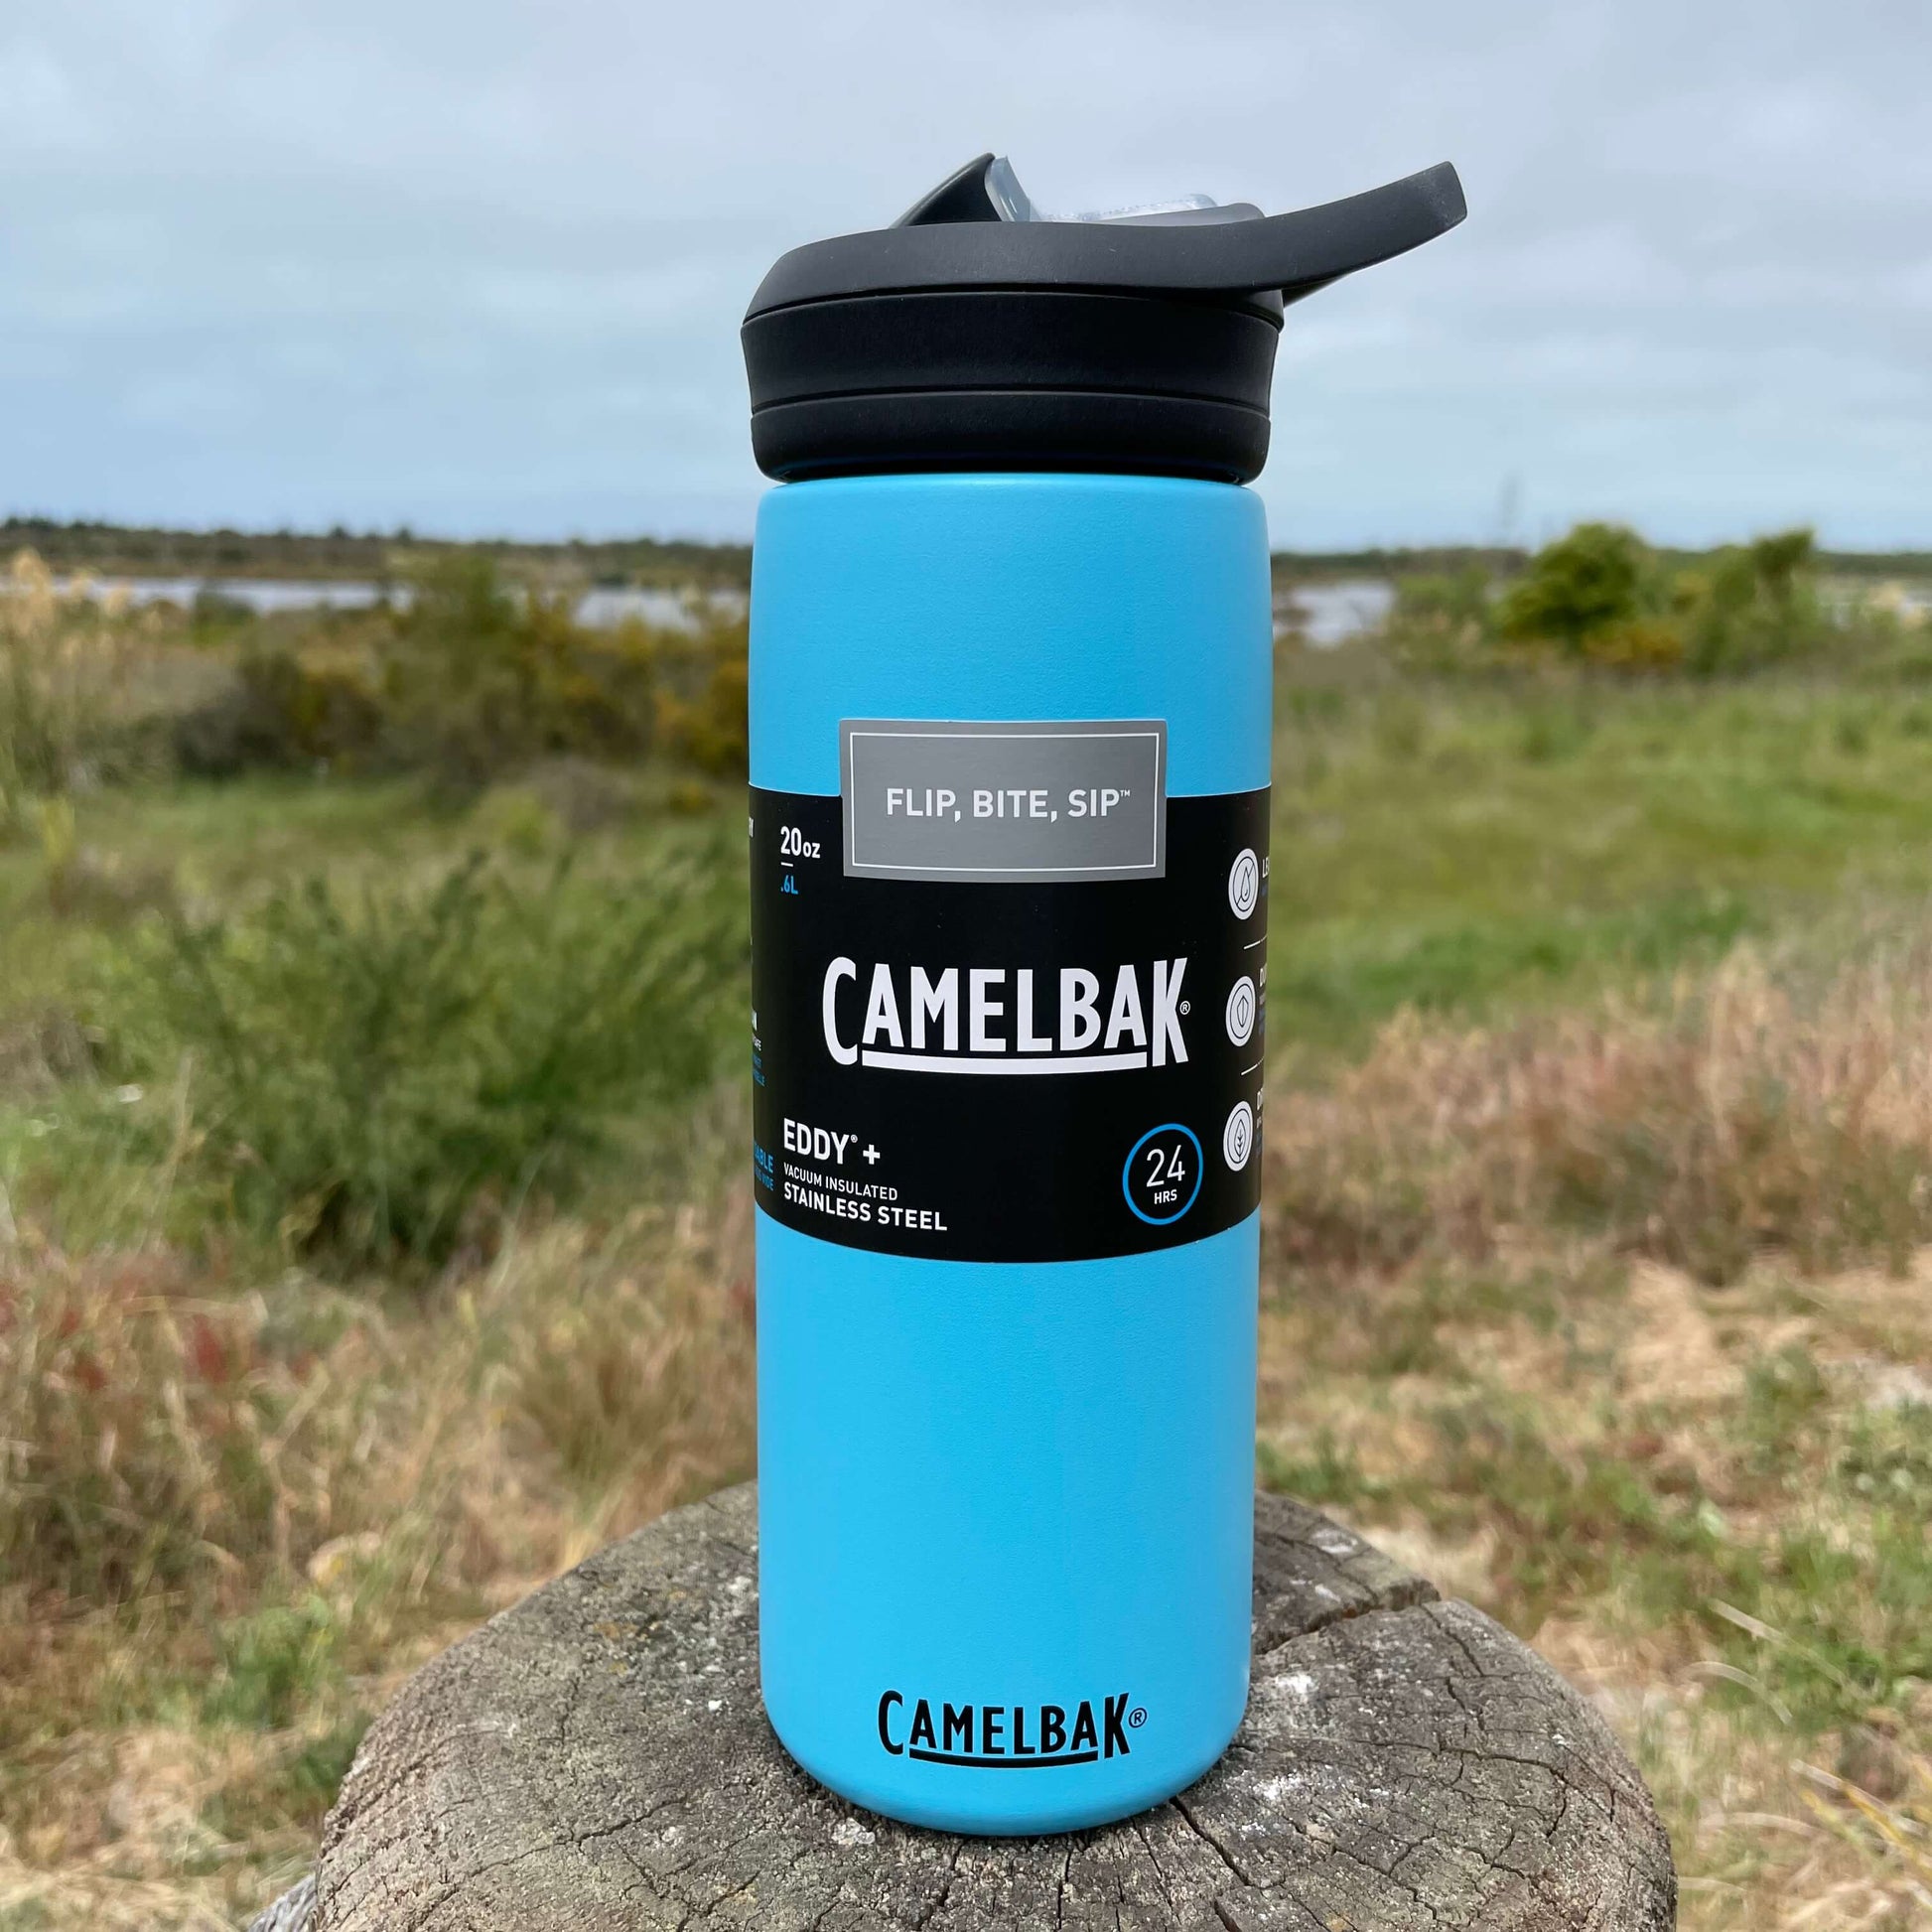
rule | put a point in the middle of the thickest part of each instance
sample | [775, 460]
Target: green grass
[1460, 850]
[224, 841]
[295, 1788]
[1826, 1602]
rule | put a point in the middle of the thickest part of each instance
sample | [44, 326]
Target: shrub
[1600, 596]
[1636, 645]
[214, 610]
[1441, 623]
[281, 713]
[1458, 597]
[477, 680]
[360, 1077]
[704, 711]
[472, 681]
[275, 1663]
[1752, 606]
[1577, 587]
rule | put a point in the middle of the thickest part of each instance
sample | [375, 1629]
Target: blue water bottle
[1010, 715]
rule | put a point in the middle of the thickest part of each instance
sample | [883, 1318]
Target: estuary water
[1327, 615]
[601, 608]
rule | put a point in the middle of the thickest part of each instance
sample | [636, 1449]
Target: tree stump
[598, 1757]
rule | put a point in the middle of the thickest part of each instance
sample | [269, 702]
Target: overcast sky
[478, 266]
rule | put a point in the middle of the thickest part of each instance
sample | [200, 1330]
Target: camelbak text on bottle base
[1008, 1736]
[1008, 995]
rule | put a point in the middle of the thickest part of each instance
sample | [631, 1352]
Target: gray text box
[1016, 801]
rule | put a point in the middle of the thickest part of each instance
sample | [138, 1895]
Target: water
[663, 610]
[1327, 613]
[600, 609]
[261, 594]
[1331, 613]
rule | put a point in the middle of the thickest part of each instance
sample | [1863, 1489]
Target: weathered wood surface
[598, 1757]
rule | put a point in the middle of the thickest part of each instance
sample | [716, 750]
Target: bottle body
[1009, 741]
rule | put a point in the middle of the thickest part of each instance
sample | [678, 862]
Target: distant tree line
[1498, 561]
[124, 550]
[116, 549]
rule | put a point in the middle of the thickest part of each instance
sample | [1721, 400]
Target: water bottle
[1009, 727]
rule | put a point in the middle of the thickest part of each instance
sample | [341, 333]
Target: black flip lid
[974, 335]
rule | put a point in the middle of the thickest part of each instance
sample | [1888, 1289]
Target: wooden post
[596, 1757]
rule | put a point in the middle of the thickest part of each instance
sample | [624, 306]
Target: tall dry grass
[230, 1521]
[65, 660]
[160, 1440]
[1617, 1321]
[1759, 1109]
[156, 1438]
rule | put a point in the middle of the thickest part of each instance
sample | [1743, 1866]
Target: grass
[1597, 1252]
[1462, 850]
[1758, 1106]
[1619, 1321]
[1708, 1509]
[237, 1518]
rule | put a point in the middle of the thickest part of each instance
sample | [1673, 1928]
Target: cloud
[480, 267]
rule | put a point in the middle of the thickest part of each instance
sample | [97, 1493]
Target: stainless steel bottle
[1011, 654]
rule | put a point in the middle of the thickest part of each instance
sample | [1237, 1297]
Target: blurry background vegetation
[373, 1239]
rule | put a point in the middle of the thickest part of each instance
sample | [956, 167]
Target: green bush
[477, 680]
[1646, 643]
[216, 610]
[275, 1663]
[1600, 596]
[1454, 598]
[282, 712]
[470, 682]
[704, 705]
[1582, 584]
[362, 1079]
[1752, 605]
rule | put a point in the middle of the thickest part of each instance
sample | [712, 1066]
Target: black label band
[1011, 1071]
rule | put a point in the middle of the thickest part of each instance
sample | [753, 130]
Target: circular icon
[1241, 1010]
[1162, 1174]
[1244, 883]
[1238, 1135]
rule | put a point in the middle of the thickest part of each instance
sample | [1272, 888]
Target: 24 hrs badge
[1162, 1174]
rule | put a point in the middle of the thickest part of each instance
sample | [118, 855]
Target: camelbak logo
[1013, 1022]
[1006, 1737]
